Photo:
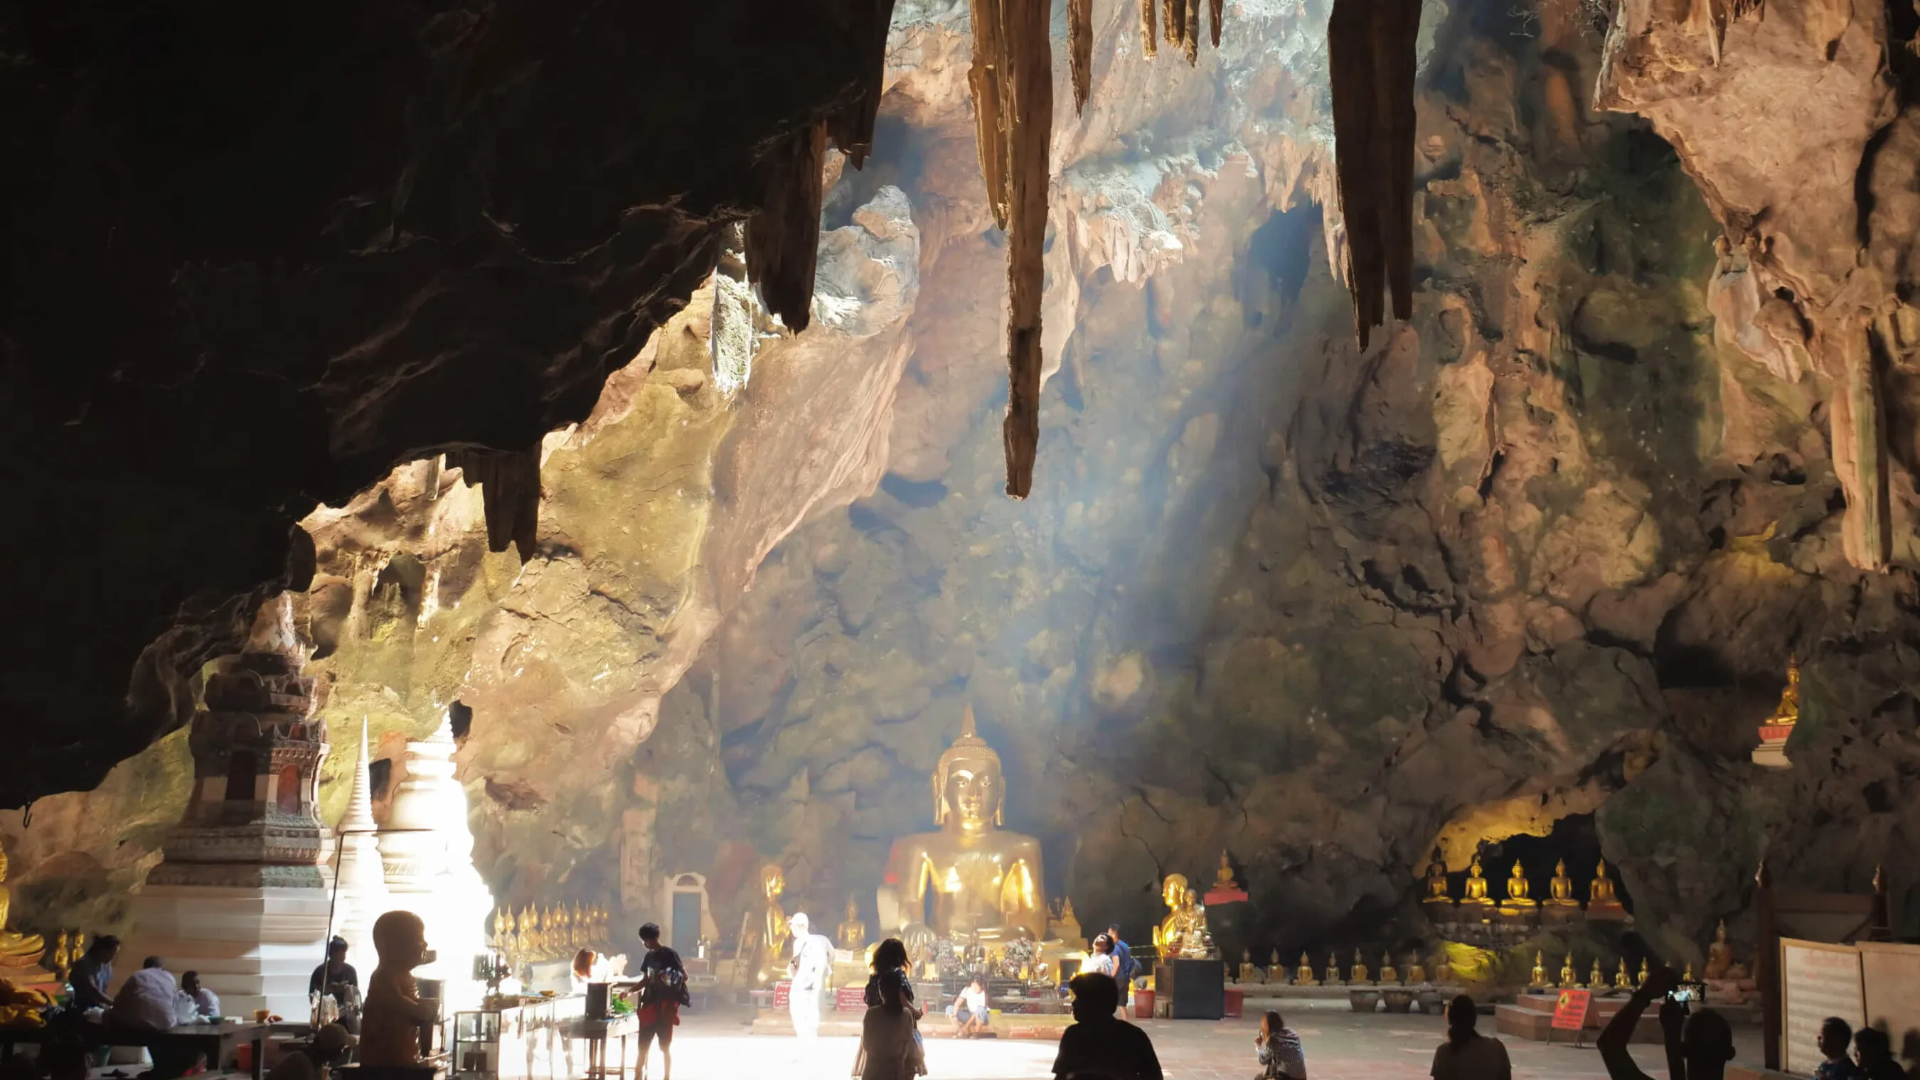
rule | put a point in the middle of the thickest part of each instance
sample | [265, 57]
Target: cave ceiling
[1537, 551]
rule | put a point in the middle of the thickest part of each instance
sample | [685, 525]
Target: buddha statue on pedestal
[1388, 976]
[1597, 979]
[1642, 981]
[1560, 901]
[1622, 980]
[17, 950]
[1303, 976]
[1166, 936]
[776, 930]
[979, 878]
[1601, 901]
[1196, 942]
[1416, 972]
[1333, 971]
[853, 932]
[1518, 904]
[1539, 970]
[1777, 728]
[1568, 980]
[1358, 976]
[1476, 894]
[1719, 954]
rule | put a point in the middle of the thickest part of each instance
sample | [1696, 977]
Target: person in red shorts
[663, 989]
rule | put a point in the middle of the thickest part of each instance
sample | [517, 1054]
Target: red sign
[782, 990]
[849, 998]
[1570, 1012]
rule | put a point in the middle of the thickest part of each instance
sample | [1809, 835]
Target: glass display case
[476, 1044]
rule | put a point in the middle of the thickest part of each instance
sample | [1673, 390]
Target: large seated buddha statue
[1476, 894]
[974, 876]
[17, 950]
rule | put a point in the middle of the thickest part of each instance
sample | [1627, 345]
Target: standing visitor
[887, 1049]
[1279, 1050]
[1099, 1044]
[1467, 1054]
[1126, 967]
[663, 989]
[92, 972]
[890, 966]
[581, 974]
[1698, 1046]
[970, 1012]
[811, 964]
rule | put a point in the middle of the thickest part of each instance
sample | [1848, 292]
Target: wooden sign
[1570, 1012]
[1817, 980]
[1890, 976]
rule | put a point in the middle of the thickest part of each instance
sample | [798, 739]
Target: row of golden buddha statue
[1596, 978]
[1602, 902]
[1413, 974]
[553, 933]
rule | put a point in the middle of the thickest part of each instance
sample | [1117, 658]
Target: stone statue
[1539, 970]
[1787, 713]
[17, 950]
[1622, 980]
[853, 932]
[1719, 954]
[1304, 975]
[1358, 976]
[1476, 894]
[1333, 970]
[1388, 976]
[982, 880]
[1173, 893]
[1568, 980]
[1437, 877]
[1561, 890]
[393, 1013]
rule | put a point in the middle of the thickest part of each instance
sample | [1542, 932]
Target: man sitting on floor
[969, 1010]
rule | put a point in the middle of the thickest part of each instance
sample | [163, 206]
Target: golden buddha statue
[1560, 891]
[582, 927]
[1597, 979]
[1719, 954]
[1303, 976]
[1787, 713]
[1517, 901]
[1601, 890]
[1196, 943]
[17, 950]
[853, 932]
[1333, 970]
[1417, 972]
[1442, 969]
[1358, 976]
[1437, 890]
[63, 957]
[1643, 973]
[775, 930]
[1173, 893]
[1622, 980]
[1476, 886]
[529, 933]
[1687, 975]
[1388, 976]
[981, 879]
[561, 936]
[1223, 876]
[1568, 980]
[1539, 970]
[1067, 926]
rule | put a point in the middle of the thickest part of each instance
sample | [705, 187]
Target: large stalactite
[1370, 48]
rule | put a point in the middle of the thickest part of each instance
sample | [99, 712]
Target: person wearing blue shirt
[1124, 966]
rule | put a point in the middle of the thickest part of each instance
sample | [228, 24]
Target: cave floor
[1340, 1044]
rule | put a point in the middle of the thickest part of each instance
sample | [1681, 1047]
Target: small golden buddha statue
[1560, 890]
[1304, 975]
[853, 932]
[982, 879]
[1539, 970]
[1437, 879]
[1601, 891]
[1719, 954]
[1388, 976]
[63, 957]
[1517, 887]
[1787, 713]
[1358, 976]
[1687, 975]
[1568, 980]
[1417, 972]
[1622, 980]
[1223, 876]
[1597, 979]
[17, 950]
[1643, 973]
[1067, 926]
[1333, 971]
[562, 933]
[1476, 886]
[1246, 965]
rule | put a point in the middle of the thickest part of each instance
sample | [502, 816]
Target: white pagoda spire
[363, 881]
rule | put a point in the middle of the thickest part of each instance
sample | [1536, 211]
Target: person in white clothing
[150, 999]
[206, 1004]
[811, 964]
[969, 1010]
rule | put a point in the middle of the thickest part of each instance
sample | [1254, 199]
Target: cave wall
[1541, 552]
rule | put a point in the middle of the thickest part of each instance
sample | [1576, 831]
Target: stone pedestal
[1772, 751]
[253, 946]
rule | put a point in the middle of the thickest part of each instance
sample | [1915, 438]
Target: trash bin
[1236, 999]
[1143, 1004]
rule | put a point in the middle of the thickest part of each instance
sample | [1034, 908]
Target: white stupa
[426, 848]
[362, 879]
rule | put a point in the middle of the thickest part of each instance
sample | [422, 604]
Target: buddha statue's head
[1189, 899]
[773, 881]
[1173, 889]
[968, 788]
[1517, 871]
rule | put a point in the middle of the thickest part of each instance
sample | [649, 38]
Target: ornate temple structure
[360, 894]
[240, 895]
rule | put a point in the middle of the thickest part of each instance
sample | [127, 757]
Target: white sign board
[1891, 974]
[1817, 980]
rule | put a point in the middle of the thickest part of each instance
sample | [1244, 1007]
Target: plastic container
[1236, 1001]
[1143, 1004]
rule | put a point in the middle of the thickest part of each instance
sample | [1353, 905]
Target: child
[1279, 1050]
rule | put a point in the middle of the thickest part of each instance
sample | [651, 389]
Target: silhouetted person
[1698, 1046]
[887, 1048]
[663, 989]
[1836, 1035]
[1279, 1050]
[890, 965]
[1124, 965]
[1098, 1044]
[1875, 1051]
[1467, 1054]
[336, 976]
[92, 972]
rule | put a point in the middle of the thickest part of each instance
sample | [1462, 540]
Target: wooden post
[1768, 971]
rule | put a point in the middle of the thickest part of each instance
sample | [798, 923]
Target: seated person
[92, 972]
[1875, 1051]
[336, 976]
[1836, 1037]
[1099, 1043]
[329, 1046]
[969, 1010]
[149, 999]
[205, 1003]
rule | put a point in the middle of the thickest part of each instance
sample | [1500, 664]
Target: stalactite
[850, 127]
[1172, 13]
[1080, 50]
[1149, 44]
[509, 483]
[1190, 31]
[784, 237]
[1370, 50]
[986, 80]
[1215, 8]
[1857, 419]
